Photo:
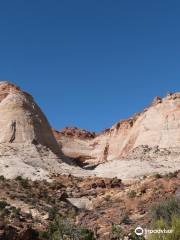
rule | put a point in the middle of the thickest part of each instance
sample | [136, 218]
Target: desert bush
[161, 224]
[107, 197]
[158, 176]
[52, 212]
[166, 215]
[117, 232]
[15, 212]
[131, 194]
[86, 234]
[125, 219]
[63, 229]
[132, 236]
[116, 182]
[172, 174]
[2, 178]
[24, 181]
[3, 204]
[165, 210]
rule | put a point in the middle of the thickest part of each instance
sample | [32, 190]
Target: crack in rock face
[13, 130]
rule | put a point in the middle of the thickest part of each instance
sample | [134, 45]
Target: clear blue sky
[91, 63]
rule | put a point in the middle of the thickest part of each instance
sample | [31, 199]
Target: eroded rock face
[75, 132]
[147, 142]
[158, 126]
[21, 120]
[75, 143]
[25, 134]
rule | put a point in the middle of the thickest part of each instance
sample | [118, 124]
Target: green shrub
[132, 236]
[172, 174]
[166, 215]
[126, 220]
[107, 198]
[176, 228]
[131, 194]
[15, 212]
[61, 228]
[117, 232]
[2, 178]
[158, 176]
[86, 234]
[18, 178]
[116, 181]
[166, 210]
[24, 182]
[3, 204]
[52, 212]
[161, 224]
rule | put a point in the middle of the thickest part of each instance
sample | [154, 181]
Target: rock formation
[22, 121]
[75, 143]
[147, 142]
[150, 135]
[26, 138]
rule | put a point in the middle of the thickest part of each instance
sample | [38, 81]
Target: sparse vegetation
[2, 178]
[117, 232]
[42, 203]
[23, 181]
[131, 194]
[107, 197]
[62, 228]
[158, 176]
[174, 225]
[133, 236]
[3, 204]
[165, 210]
[172, 174]
[126, 220]
[166, 215]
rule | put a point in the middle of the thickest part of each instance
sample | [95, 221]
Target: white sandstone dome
[21, 120]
